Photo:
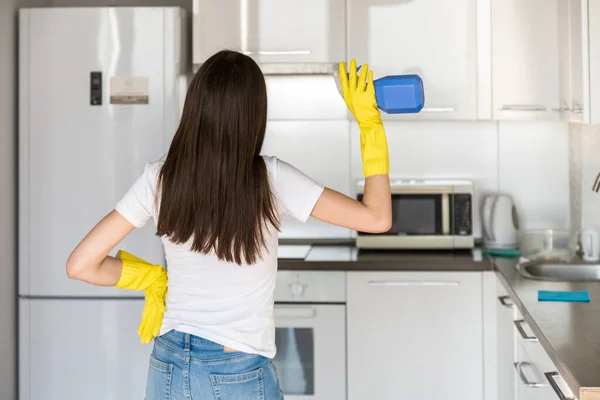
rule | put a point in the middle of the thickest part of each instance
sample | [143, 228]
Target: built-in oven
[310, 319]
[426, 214]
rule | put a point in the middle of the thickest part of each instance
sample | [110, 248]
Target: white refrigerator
[100, 94]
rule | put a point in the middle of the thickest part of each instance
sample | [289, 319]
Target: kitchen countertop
[346, 257]
[569, 332]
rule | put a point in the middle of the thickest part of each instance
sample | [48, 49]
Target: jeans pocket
[158, 386]
[273, 369]
[246, 386]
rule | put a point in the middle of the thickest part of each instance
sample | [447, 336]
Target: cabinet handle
[561, 109]
[506, 301]
[519, 324]
[526, 382]
[577, 110]
[522, 107]
[294, 312]
[438, 109]
[413, 283]
[280, 53]
[550, 377]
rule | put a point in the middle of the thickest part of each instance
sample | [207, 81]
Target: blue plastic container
[397, 94]
[400, 94]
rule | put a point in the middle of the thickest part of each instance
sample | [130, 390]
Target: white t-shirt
[220, 301]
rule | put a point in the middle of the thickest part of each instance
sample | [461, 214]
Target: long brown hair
[214, 186]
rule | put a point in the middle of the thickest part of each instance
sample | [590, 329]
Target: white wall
[528, 160]
[584, 148]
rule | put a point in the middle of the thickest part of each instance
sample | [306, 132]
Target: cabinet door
[414, 335]
[297, 31]
[564, 59]
[505, 343]
[592, 16]
[525, 66]
[216, 26]
[321, 150]
[435, 39]
[578, 46]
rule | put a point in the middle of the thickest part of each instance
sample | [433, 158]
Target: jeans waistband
[184, 340]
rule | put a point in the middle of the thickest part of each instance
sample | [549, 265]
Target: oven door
[311, 351]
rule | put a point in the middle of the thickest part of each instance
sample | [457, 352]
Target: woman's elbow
[384, 225]
[74, 268]
[380, 224]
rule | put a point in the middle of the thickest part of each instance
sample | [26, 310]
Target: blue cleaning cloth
[551, 295]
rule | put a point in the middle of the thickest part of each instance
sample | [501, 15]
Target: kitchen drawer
[540, 358]
[530, 381]
[537, 371]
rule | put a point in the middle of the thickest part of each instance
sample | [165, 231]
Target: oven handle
[414, 283]
[294, 312]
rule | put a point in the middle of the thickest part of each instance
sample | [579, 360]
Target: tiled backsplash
[528, 160]
[584, 166]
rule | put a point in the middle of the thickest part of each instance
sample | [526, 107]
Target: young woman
[217, 204]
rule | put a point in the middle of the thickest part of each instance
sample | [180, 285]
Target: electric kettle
[500, 222]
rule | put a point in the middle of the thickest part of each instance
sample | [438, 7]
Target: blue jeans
[184, 366]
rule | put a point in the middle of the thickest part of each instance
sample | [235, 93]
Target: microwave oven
[426, 214]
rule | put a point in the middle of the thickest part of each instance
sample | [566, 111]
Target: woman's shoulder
[151, 172]
[275, 164]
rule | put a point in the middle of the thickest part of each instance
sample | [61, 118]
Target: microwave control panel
[462, 207]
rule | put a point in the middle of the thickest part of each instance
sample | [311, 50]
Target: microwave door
[419, 215]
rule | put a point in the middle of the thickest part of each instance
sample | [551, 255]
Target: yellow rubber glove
[138, 274]
[359, 95]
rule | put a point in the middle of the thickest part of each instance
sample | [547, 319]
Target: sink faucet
[596, 186]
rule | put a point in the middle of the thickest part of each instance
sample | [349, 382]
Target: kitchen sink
[559, 271]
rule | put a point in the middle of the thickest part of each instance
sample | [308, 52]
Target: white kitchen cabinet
[505, 343]
[574, 60]
[435, 39]
[321, 150]
[579, 105]
[216, 25]
[531, 383]
[414, 335]
[525, 59]
[535, 373]
[591, 65]
[310, 32]
[564, 59]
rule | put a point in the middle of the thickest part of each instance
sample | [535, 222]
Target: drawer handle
[506, 301]
[550, 377]
[519, 324]
[414, 283]
[522, 107]
[561, 109]
[438, 109]
[577, 110]
[526, 382]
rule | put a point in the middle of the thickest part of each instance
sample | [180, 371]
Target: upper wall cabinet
[435, 39]
[284, 37]
[576, 52]
[582, 52]
[525, 59]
